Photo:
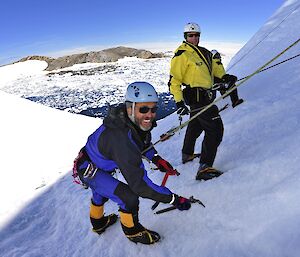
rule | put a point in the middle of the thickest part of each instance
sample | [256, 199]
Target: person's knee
[218, 132]
[98, 199]
[130, 201]
[219, 138]
[214, 138]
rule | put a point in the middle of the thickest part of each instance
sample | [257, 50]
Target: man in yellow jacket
[194, 70]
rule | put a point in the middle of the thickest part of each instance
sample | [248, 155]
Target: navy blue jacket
[118, 143]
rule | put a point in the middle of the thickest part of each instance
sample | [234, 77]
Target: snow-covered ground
[251, 210]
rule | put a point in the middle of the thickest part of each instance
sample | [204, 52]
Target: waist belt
[198, 95]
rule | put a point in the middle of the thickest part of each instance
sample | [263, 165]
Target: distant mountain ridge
[106, 55]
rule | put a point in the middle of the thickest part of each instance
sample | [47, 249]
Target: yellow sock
[126, 219]
[96, 212]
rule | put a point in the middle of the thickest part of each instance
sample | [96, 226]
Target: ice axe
[192, 200]
[163, 183]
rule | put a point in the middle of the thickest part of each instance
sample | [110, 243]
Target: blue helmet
[141, 92]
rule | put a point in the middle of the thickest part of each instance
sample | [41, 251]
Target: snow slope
[251, 210]
[37, 147]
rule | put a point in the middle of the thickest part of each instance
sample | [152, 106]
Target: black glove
[181, 203]
[182, 109]
[229, 80]
[163, 165]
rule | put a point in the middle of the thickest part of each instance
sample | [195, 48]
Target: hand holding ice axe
[164, 166]
[191, 199]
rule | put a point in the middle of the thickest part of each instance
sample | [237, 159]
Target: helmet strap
[131, 117]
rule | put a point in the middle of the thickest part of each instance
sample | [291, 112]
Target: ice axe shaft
[163, 183]
[166, 210]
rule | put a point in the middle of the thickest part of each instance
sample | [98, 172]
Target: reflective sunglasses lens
[193, 35]
[154, 109]
[146, 109]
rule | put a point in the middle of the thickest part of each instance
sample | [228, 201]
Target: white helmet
[141, 92]
[192, 27]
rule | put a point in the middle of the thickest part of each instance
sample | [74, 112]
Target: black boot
[98, 220]
[189, 157]
[139, 234]
[99, 225]
[205, 172]
[135, 232]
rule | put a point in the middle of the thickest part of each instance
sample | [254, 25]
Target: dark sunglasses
[146, 109]
[193, 35]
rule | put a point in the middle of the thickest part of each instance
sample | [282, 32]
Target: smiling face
[144, 114]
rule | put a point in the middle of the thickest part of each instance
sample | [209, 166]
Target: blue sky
[46, 27]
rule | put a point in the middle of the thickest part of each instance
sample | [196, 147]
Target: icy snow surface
[251, 210]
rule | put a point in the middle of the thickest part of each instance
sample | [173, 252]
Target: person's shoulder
[114, 132]
[113, 136]
[184, 46]
[181, 49]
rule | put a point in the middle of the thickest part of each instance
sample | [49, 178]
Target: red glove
[163, 165]
[181, 203]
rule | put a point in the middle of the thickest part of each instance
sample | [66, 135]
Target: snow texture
[251, 210]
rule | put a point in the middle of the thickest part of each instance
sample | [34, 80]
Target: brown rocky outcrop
[37, 57]
[106, 55]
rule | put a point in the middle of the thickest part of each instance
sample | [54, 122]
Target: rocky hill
[106, 55]
[37, 57]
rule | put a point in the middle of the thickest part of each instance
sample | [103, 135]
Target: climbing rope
[274, 65]
[172, 131]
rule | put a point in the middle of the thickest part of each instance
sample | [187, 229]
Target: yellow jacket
[193, 66]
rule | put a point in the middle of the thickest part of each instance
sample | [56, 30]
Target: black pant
[211, 123]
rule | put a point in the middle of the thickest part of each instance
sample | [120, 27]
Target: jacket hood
[116, 117]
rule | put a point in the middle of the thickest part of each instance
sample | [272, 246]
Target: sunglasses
[193, 35]
[146, 109]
